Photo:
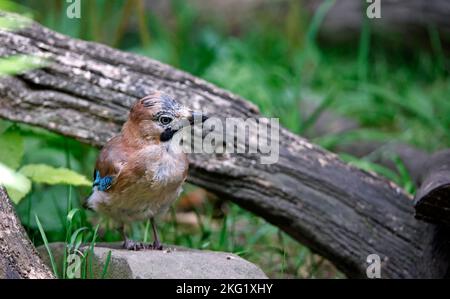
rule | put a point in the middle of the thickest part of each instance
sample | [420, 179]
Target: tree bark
[430, 173]
[18, 257]
[432, 201]
[378, 152]
[339, 211]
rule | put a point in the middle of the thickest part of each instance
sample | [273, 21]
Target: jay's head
[158, 116]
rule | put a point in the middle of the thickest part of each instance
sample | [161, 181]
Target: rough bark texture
[432, 201]
[18, 257]
[430, 173]
[339, 211]
[382, 153]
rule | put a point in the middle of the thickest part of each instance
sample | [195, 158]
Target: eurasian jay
[138, 174]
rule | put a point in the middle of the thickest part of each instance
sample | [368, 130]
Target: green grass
[47, 247]
[394, 92]
[73, 243]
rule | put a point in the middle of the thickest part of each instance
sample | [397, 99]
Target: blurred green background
[392, 91]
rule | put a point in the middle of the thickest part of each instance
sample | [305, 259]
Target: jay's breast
[150, 194]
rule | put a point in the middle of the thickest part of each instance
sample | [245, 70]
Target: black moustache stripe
[167, 135]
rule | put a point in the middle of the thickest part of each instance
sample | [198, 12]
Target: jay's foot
[135, 246]
[157, 246]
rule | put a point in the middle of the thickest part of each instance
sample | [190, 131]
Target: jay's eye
[165, 120]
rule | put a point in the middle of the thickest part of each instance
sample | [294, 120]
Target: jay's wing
[109, 164]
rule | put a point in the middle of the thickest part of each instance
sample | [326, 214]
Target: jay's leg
[130, 244]
[156, 244]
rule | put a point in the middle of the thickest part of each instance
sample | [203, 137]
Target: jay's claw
[136, 246]
[157, 246]
[133, 245]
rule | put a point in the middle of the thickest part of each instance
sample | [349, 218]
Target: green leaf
[11, 148]
[72, 214]
[16, 184]
[41, 173]
[14, 22]
[11, 6]
[4, 125]
[77, 238]
[19, 64]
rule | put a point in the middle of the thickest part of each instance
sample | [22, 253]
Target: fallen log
[382, 153]
[339, 211]
[430, 173]
[18, 257]
[432, 200]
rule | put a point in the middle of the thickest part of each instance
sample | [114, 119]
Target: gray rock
[174, 262]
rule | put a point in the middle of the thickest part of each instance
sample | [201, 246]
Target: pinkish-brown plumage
[138, 173]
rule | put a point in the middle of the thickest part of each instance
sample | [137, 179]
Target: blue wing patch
[102, 183]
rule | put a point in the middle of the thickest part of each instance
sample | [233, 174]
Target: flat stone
[173, 262]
